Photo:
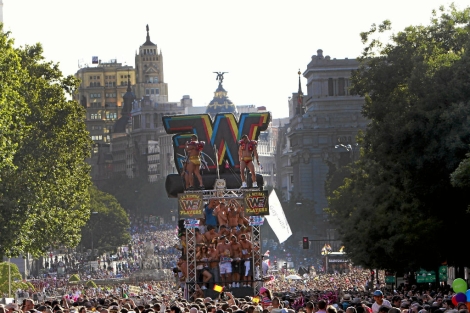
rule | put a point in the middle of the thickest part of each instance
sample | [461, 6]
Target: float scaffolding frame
[191, 280]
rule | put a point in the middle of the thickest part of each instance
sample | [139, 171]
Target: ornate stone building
[321, 132]
[149, 72]
[124, 115]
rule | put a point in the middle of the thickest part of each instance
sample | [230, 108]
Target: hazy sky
[262, 44]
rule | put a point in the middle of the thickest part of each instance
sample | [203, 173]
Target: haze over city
[261, 44]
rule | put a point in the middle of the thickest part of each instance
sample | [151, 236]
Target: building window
[95, 105]
[95, 116]
[136, 121]
[147, 120]
[157, 91]
[111, 95]
[147, 91]
[330, 87]
[155, 120]
[97, 137]
[111, 115]
[341, 87]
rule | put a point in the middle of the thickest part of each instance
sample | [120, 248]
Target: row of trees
[45, 185]
[404, 203]
[44, 178]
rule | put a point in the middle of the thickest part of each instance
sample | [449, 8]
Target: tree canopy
[108, 226]
[15, 276]
[44, 178]
[398, 203]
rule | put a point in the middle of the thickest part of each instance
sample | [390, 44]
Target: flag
[218, 288]
[255, 299]
[277, 219]
[94, 60]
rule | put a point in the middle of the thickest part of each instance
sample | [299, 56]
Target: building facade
[128, 141]
[321, 134]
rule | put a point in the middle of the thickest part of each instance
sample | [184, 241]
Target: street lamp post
[92, 241]
[9, 277]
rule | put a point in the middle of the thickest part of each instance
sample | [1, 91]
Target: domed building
[221, 103]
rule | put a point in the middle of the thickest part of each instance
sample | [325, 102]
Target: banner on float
[277, 219]
[256, 203]
[256, 220]
[190, 205]
[191, 223]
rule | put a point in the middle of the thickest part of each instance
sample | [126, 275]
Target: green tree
[44, 178]
[14, 276]
[108, 226]
[399, 203]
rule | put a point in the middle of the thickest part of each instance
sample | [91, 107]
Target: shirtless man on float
[246, 151]
[193, 163]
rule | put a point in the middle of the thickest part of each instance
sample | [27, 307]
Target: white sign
[277, 219]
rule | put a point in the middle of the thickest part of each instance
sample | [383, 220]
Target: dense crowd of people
[223, 254]
[320, 293]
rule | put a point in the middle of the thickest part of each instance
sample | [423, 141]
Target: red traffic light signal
[305, 243]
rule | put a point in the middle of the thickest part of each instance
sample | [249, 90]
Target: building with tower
[149, 72]
[320, 136]
[124, 112]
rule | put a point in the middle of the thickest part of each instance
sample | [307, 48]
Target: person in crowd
[209, 214]
[202, 265]
[224, 250]
[379, 301]
[266, 298]
[214, 263]
[211, 235]
[221, 213]
[237, 266]
[246, 256]
[322, 306]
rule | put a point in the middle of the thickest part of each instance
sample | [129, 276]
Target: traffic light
[305, 243]
[275, 264]
[284, 266]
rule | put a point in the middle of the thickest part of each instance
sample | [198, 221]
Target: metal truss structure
[191, 280]
[191, 261]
